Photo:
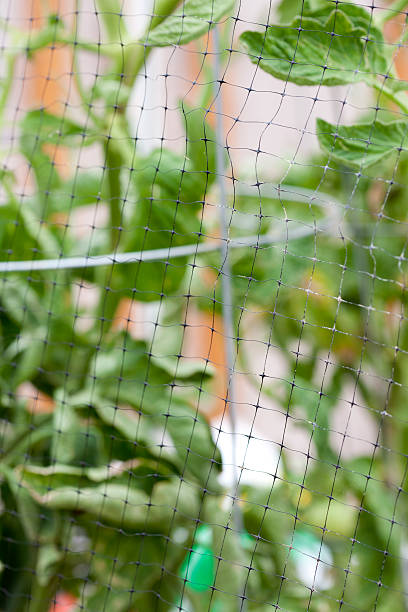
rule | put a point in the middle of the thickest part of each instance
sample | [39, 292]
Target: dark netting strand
[203, 257]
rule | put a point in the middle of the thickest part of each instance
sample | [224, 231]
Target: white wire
[254, 241]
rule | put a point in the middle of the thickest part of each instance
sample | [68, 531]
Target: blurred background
[320, 338]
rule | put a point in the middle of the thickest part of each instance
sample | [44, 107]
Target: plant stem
[134, 57]
[392, 96]
[77, 78]
[113, 162]
[129, 64]
[112, 18]
[86, 46]
[26, 439]
[7, 83]
[132, 61]
[42, 595]
[391, 11]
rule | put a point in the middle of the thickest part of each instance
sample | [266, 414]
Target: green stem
[113, 167]
[26, 439]
[403, 104]
[42, 595]
[391, 11]
[8, 82]
[129, 64]
[86, 46]
[114, 24]
[134, 56]
[85, 98]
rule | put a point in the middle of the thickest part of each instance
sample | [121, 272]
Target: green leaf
[23, 227]
[192, 20]
[123, 368]
[170, 194]
[85, 188]
[288, 9]
[124, 571]
[113, 91]
[106, 501]
[364, 144]
[192, 439]
[45, 127]
[45, 478]
[116, 503]
[22, 303]
[27, 510]
[125, 359]
[322, 47]
[30, 360]
[39, 128]
[183, 369]
[170, 190]
[67, 431]
[44, 37]
[75, 440]
[193, 450]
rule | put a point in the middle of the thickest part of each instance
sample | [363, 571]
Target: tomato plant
[110, 471]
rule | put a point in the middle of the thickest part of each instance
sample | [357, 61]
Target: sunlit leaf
[322, 47]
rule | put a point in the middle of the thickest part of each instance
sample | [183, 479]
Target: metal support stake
[227, 299]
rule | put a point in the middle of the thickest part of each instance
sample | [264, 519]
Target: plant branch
[42, 595]
[392, 96]
[7, 83]
[391, 11]
[112, 18]
[77, 78]
[86, 46]
[113, 167]
[135, 55]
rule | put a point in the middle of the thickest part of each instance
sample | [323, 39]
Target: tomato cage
[203, 234]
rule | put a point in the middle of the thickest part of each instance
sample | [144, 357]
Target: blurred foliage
[110, 478]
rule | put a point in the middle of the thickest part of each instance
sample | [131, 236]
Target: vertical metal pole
[227, 300]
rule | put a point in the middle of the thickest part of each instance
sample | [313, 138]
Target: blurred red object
[64, 602]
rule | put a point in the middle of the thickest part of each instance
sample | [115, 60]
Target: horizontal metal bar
[254, 241]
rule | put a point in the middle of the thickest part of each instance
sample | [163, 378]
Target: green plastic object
[198, 567]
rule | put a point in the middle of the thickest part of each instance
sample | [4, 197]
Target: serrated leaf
[322, 47]
[193, 19]
[364, 144]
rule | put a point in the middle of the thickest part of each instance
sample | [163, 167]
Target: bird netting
[203, 254]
